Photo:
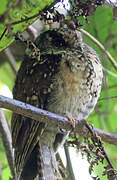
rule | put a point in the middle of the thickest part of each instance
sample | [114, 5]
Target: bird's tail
[47, 164]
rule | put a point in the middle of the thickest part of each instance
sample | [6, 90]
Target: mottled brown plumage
[65, 80]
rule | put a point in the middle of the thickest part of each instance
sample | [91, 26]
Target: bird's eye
[78, 65]
[79, 48]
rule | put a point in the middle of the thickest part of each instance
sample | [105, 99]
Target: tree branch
[52, 119]
[112, 60]
[69, 163]
[11, 60]
[7, 141]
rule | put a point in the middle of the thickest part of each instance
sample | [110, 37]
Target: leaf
[16, 17]
[6, 173]
[3, 5]
[6, 75]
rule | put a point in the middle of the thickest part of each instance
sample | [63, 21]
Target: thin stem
[100, 46]
[23, 20]
[107, 98]
[109, 72]
[11, 60]
[34, 16]
[7, 141]
[3, 34]
[69, 164]
[99, 143]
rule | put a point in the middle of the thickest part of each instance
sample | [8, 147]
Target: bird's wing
[29, 87]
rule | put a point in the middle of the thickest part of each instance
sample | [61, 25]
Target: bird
[65, 79]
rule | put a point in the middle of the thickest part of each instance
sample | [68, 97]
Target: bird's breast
[74, 96]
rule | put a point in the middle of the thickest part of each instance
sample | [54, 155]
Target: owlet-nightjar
[65, 80]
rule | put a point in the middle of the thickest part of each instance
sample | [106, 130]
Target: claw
[72, 123]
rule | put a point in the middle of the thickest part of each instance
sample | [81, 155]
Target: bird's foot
[72, 123]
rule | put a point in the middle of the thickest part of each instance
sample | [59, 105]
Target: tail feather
[47, 164]
[30, 170]
[39, 164]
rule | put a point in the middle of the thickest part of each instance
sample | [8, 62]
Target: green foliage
[8, 75]
[6, 173]
[13, 11]
[4, 164]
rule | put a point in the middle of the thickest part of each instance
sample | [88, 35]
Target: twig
[98, 141]
[51, 5]
[100, 46]
[7, 141]
[34, 16]
[112, 86]
[69, 164]
[51, 118]
[109, 72]
[23, 20]
[106, 136]
[3, 34]
[29, 18]
[107, 98]
[11, 60]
